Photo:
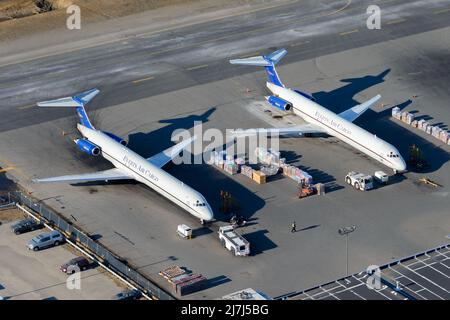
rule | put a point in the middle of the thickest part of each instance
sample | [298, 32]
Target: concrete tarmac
[405, 62]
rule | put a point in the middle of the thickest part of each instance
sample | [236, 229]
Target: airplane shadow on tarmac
[150, 143]
[379, 123]
[212, 181]
[319, 176]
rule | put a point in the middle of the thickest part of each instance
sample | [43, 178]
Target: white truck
[359, 181]
[381, 177]
[233, 241]
[184, 231]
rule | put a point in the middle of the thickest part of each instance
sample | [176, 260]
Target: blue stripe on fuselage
[273, 76]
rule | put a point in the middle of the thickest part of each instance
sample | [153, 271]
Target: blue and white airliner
[320, 119]
[128, 164]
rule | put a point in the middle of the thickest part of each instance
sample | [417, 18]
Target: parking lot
[425, 276]
[29, 275]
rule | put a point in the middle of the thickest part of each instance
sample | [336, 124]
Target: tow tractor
[359, 181]
[233, 241]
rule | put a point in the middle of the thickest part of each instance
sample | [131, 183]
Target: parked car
[128, 295]
[79, 263]
[26, 225]
[45, 240]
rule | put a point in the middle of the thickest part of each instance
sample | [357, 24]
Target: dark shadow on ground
[209, 181]
[259, 242]
[341, 99]
[216, 281]
[201, 232]
[6, 184]
[96, 237]
[309, 227]
[319, 176]
[151, 143]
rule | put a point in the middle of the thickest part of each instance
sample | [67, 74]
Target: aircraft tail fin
[77, 101]
[268, 62]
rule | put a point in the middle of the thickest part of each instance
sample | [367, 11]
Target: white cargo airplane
[320, 119]
[129, 165]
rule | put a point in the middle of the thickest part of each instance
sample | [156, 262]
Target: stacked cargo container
[268, 156]
[247, 171]
[184, 282]
[297, 174]
[435, 131]
[189, 284]
[225, 162]
[270, 170]
[230, 166]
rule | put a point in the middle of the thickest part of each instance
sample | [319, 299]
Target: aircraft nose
[208, 214]
[401, 165]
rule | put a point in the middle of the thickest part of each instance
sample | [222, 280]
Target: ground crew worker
[293, 227]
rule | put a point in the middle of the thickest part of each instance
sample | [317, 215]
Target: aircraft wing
[294, 130]
[106, 175]
[353, 113]
[162, 158]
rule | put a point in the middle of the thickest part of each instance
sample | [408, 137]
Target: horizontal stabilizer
[353, 113]
[164, 157]
[252, 61]
[262, 61]
[106, 175]
[76, 101]
[268, 62]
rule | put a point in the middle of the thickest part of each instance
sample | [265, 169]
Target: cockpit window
[199, 204]
[392, 155]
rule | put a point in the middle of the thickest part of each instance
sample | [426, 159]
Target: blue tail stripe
[272, 75]
[84, 120]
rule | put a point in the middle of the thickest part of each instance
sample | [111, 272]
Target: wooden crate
[171, 272]
[259, 177]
